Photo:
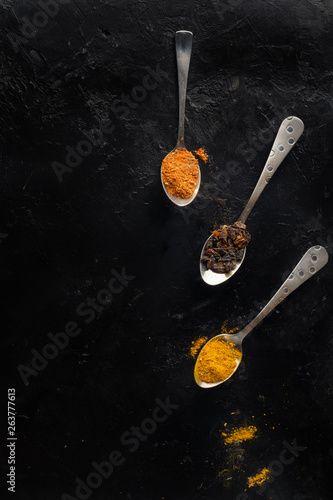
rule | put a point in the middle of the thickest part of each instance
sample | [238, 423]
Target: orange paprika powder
[180, 171]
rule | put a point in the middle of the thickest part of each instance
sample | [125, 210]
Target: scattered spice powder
[232, 463]
[259, 478]
[180, 171]
[196, 345]
[224, 328]
[201, 153]
[240, 434]
[217, 361]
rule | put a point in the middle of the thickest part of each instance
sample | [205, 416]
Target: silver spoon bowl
[212, 278]
[183, 54]
[312, 261]
[182, 202]
[288, 134]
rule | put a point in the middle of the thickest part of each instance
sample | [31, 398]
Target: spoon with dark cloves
[224, 251]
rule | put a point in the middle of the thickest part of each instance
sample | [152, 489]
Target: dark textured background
[253, 63]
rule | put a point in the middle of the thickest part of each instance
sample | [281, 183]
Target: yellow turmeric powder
[180, 171]
[217, 361]
[224, 328]
[259, 478]
[196, 344]
[240, 434]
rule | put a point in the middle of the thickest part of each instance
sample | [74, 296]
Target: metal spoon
[313, 260]
[288, 134]
[183, 53]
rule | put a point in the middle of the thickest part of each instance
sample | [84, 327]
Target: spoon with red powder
[224, 251]
[180, 172]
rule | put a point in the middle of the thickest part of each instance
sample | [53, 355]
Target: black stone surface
[72, 68]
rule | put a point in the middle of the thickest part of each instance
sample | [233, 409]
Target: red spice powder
[201, 153]
[180, 171]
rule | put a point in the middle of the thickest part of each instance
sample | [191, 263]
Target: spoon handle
[312, 261]
[289, 132]
[183, 54]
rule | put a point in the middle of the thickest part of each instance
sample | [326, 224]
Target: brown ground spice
[217, 360]
[180, 171]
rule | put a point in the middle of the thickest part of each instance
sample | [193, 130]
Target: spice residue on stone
[240, 434]
[224, 328]
[180, 171]
[259, 478]
[201, 153]
[196, 346]
[217, 361]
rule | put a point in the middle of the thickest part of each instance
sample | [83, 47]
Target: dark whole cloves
[226, 248]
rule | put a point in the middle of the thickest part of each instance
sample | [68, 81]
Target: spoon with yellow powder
[220, 357]
[220, 250]
[180, 172]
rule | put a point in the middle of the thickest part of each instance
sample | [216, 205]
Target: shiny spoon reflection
[288, 134]
[312, 261]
